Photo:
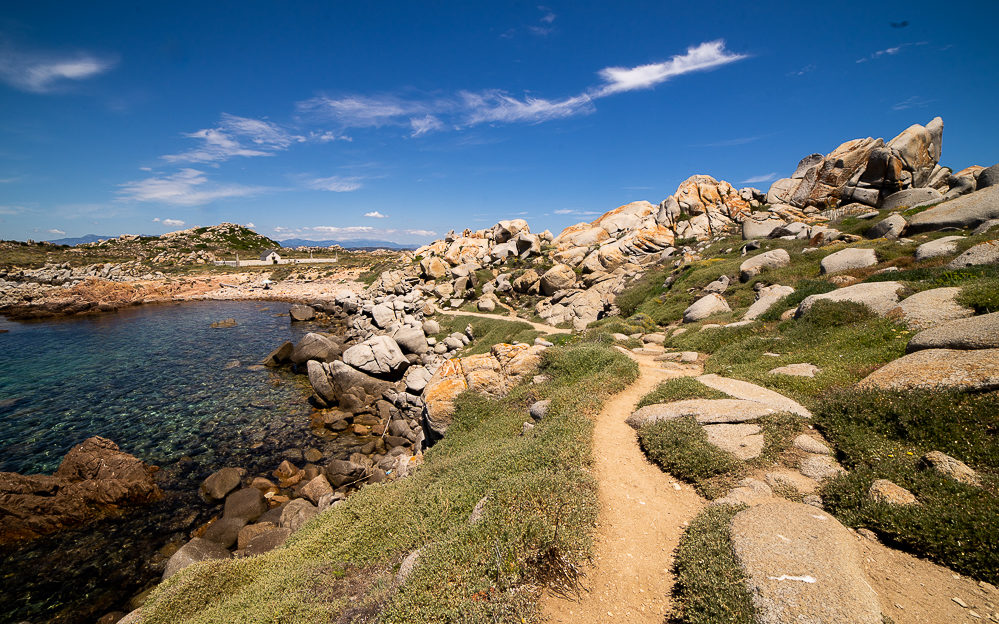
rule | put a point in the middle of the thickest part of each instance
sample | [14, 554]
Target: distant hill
[88, 238]
[346, 244]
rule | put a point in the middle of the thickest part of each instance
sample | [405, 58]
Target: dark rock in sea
[279, 356]
[229, 322]
[196, 550]
[94, 479]
[220, 483]
[302, 313]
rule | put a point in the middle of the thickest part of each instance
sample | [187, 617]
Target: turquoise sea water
[162, 383]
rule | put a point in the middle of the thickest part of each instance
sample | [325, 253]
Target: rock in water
[94, 479]
[302, 313]
[192, 552]
[378, 356]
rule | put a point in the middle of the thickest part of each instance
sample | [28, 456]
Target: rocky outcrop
[492, 374]
[866, 171]
[94, 479]
[976, 370]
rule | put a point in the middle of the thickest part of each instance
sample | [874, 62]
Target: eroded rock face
[976, 370]
[378, 356]
[492, 373]
[94, 479]
[866, 170]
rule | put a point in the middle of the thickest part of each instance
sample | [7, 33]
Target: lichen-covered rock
[772, 259]
[704, 307]
[982, 253]
[976, 370]
[951, 467]
[880, 297]
[492, 373]
[848, 259]
[974, 332]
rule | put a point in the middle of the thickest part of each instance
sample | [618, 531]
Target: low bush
[681, 448]
[680, 389]
[710, 584]
[802, 289]
[883, 435]
[982, 295]
[487, 332]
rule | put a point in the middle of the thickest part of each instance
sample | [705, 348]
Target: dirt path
[541, 327]
[642, 515]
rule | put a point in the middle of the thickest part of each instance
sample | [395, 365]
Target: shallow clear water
[155, 380]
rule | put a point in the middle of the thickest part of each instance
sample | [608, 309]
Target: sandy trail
[512, 317]
[642, 516]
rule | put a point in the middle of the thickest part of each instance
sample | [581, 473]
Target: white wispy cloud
[169, 222]
[804, 70]
[707, 55]
[912, 102]
[236, 136]
[892, 51]
[425, 124]
[353, 229]
[11, 210]
[581, 213]
[250, 225]
[47, 72]
[497, 106]
[760, 178]
[187, 187]
[470, 108]
[375, 215]
[56, 231]
[359, 111]
[336, 184]
[421, 232]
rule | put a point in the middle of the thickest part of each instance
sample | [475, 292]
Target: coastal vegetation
[533, 530]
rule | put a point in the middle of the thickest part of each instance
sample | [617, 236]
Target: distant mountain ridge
[87, 238]
[346, 244]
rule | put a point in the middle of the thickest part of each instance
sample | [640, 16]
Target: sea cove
[166, 387]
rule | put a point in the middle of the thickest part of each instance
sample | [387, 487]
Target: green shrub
[883, 435]
[803, 288]
[487, 332]
[710, 584]
[825, 314]
[680, 389]
[982, 295]
[681, 448]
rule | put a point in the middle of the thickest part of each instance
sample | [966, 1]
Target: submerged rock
[94, 479]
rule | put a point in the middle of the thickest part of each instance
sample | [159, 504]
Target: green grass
[845, 353]
[487, 332]
[882, 435]
[681, 448]
[680, 389]
[710, 584]
[802, 288]
[982, 295]
[535, 529]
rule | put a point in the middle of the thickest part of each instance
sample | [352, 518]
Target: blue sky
[401, 120]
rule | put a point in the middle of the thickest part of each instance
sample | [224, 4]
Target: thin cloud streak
[48, 72]
[705, 56]
[760, 178]
[187, 187]
[229, 139]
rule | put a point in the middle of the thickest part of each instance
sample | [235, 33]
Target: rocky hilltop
[199, 245]
[575, 276]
